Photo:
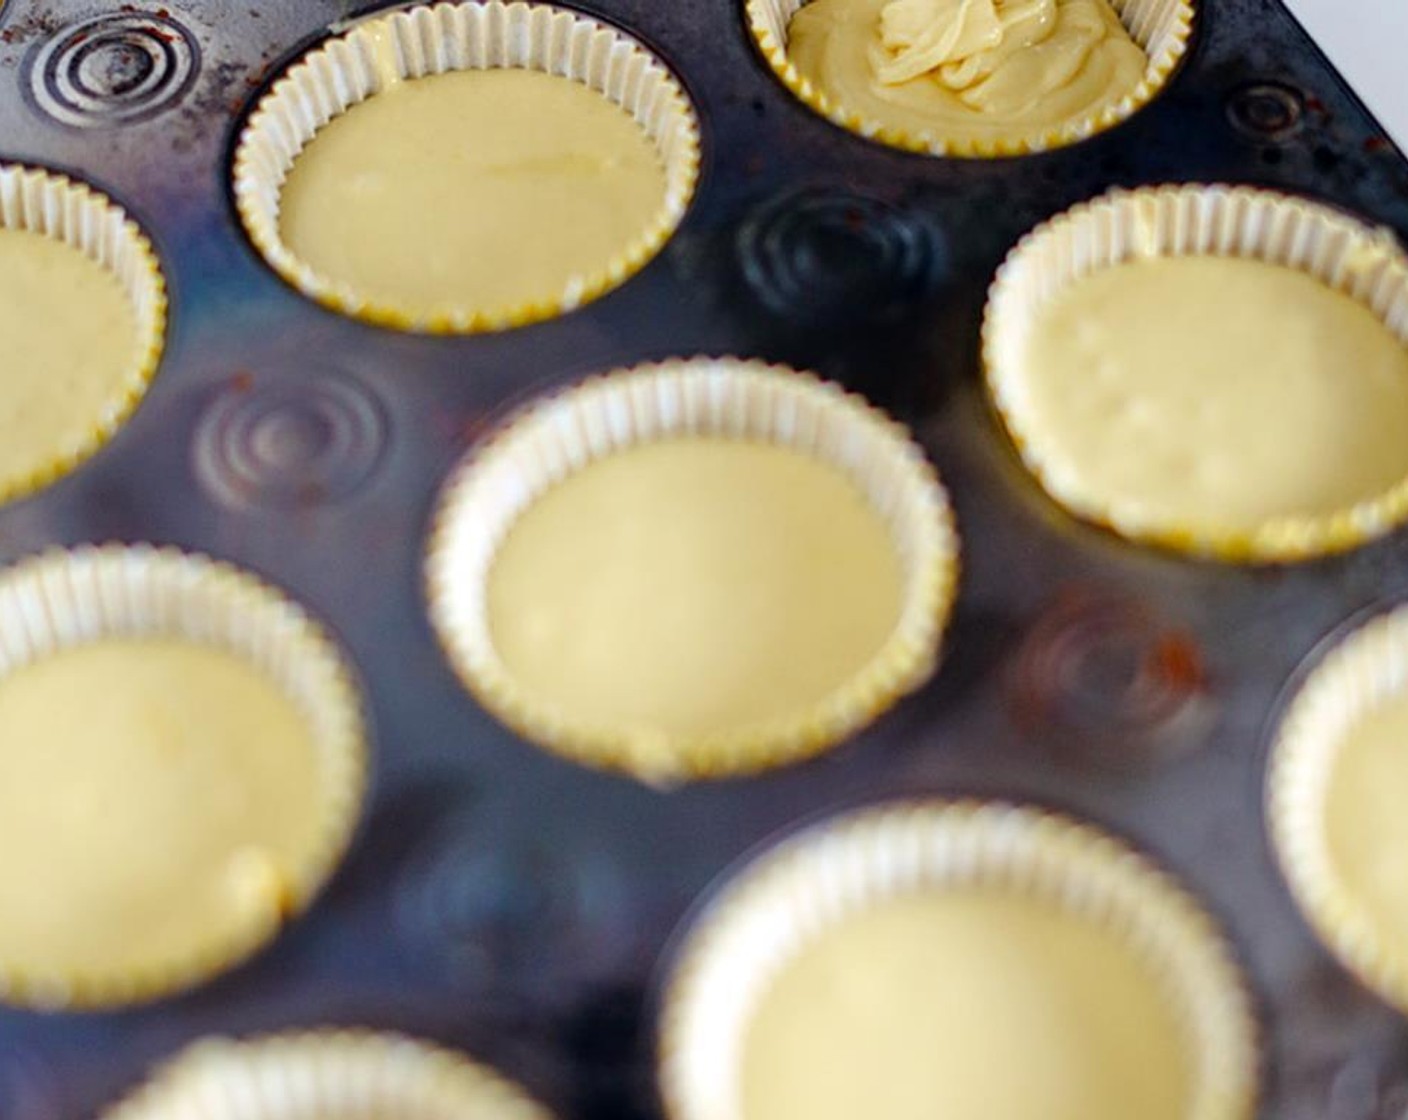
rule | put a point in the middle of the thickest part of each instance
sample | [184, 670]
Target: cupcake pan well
[839, 869]
[35, 200]
[721, 400]
[68, 599]
[515, 905]
[1159, 223]
[1161, 28]
[377, 54]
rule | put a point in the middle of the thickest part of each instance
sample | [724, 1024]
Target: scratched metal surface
[503, 900]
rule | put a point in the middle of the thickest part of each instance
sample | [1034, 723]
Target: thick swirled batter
[154, 796]
[967, 70]
[70, 350]
[1211, 393]
[965, 1004]
[472, 191]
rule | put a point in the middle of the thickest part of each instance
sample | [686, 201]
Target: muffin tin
[523, 908]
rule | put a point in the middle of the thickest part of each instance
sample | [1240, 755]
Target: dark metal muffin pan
[514, 904]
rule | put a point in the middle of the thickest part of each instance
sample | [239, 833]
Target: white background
[1367, 40]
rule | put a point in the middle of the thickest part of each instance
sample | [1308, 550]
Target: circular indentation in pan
[1266, 110]
[1102, 678]
[823, 255]
[284, 443]
[495, 917]
[113, 69]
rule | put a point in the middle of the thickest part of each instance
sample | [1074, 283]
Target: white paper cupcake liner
[814, 880]
[727, 398]
[1161, 27]
[71, 212]
[1365, 669]
[64, 599]
[1171, 221]
[325, 1075]
[435, 39]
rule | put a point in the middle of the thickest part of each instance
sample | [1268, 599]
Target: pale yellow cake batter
[968, 1004]
[1213, 393]
[967, 70]
[155, 796]
[692, 587]
[472, 191]
[68, 351]
[1366, 828]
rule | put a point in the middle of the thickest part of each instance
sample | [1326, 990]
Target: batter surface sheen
[967, 70]
[964, 1004]
[153, 796]
[70, 346]
[475, 190]
[1212, 392]
[693, 587]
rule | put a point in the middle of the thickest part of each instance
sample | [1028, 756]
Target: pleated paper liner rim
[80, 216]
[1169, 23]
[839, 867]
[468, 35]
[1192, 220]
[66, 598]
[325, 1075]
[1362, 669]
[730, 398]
